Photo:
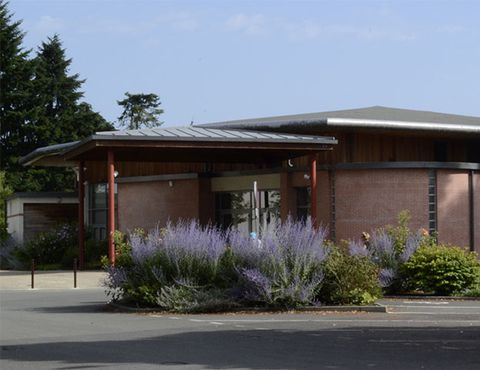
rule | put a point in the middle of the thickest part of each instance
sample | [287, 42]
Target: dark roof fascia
[104, 140]
[46, 151]
[315, 139]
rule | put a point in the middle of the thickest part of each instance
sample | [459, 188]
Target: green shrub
[51, 248]
[58, 248]
[349, 279]
[442, 270]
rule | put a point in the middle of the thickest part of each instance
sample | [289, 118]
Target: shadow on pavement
[356, 347]
[87, 307]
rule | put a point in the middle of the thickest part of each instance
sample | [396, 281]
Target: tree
[39, 107]
[5, 191]
[16, 74]
[60, 116]
[140, 110]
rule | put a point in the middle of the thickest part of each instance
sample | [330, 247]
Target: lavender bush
[170, 267]
[282, 268]
[186, 268]
[389, 249]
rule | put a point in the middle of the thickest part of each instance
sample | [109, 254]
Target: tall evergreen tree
[39, 106]
[59, 115]
[140, 110]
[16, 73]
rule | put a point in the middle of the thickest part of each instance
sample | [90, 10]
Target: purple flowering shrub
[389, 248]
[284, 267]
[171, 267]
[185, 267]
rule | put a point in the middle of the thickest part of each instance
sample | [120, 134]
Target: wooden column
[313, 189]
[111, 205]
[81, 215]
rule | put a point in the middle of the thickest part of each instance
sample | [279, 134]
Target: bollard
[74, 272]
[33, 274]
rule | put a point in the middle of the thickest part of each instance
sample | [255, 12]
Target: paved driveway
[71, 329]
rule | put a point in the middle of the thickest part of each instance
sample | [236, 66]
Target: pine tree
[140, 110]
[16, 73]
[39, 107]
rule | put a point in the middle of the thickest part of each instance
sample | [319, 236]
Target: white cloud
[180, 21]
[312, 30]
[47, 23]
[300, 30]
[249, 24]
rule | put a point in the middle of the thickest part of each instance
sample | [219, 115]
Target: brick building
[354, 170]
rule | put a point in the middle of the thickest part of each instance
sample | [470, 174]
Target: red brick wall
[453, 207]
[368, 199]
[323, 198]
[146, 204]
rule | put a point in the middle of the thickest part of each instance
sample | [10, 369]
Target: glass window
[303, 203]
[238, 209]
[98, 208]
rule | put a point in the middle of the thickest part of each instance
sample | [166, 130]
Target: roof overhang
[329, 124]
[375, 119]
[188, 145]
[49, 156]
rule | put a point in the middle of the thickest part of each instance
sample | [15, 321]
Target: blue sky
[219, 60]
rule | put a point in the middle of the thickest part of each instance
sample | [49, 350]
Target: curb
[370, 308]
[431, 298]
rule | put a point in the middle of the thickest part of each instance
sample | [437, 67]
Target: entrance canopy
[182, 144]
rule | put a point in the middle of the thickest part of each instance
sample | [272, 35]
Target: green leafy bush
[58, 248]
[50, 248]
[442, 270]
[349, 279]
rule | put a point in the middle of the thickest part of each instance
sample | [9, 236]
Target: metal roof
[196, 133]
[46, 151]
[370, 117]
[53, 155]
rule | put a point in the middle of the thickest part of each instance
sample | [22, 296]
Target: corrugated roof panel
[164, 132]
[178, 132]
[212, 133]
[193, 133]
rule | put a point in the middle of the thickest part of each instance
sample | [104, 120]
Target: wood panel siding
[368, 147]
[97, 170]
[40, 218]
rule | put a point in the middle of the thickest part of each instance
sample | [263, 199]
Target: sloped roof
[190, 134]
[370, 117]
[196, 133]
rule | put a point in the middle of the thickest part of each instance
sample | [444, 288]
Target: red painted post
[111, 206]
[313, 189]
[81, 215]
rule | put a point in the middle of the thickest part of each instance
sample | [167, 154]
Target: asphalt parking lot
[73, 329]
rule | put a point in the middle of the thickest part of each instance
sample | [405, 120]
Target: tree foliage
[16, 75]
[5, 191]
[40, 106]
[140, 110]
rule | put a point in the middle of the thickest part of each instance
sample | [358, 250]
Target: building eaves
[46, 151]
[369, 118]
[199, 134]
[189, 134]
